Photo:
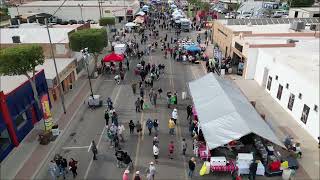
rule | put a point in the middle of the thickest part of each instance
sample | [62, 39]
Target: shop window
[269, 83]
[21, 120]
[279, 94]
[305, 114]
[291, 101]
[4, 140]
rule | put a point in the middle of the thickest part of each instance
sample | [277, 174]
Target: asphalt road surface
[89, 125]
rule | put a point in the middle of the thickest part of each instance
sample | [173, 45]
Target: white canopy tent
[224, 113]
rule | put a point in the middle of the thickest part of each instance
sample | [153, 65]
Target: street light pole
[85, 54]
[99, 2]
[80, 6]
[56, 69]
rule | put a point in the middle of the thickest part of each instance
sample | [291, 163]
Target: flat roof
[303, 58]
[35, 35]
[269, 28]
[114, 3]
[307, 9]
[9, 83]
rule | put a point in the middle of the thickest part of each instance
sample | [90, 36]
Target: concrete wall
[223, 37]
[301, 13]
[250, 70]
[297, 84]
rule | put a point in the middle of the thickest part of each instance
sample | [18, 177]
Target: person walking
[94, 150]
[73, 164]
[139, 128]
[141, 103]
[131, 126]
[184, 146]
[119, 156]
[174, 115]
[154, 98]
[189, 112]
[152, 170]
[125, 175]
[156, 125]
[141, 92]
[149, 125]
[127, 161]
[155, 140]
[151, 96]
[64, 165]
[53, 170]
[137, 104]
[106, 116]
[120, 132]
[134, 88]
[171, 126]
[137, 176]
[156, 151]
[109, 103]
[253, 170]
[192, 166]
[171, 149]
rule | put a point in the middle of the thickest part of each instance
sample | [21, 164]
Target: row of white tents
[224, 113]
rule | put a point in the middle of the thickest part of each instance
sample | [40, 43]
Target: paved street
[88, 125]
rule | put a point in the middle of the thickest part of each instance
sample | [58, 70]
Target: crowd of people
[146, 95]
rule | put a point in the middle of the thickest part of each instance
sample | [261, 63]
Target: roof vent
[298, 25]
[16, 39]
[291, 41]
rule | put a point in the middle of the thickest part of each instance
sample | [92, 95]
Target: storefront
[19, 110]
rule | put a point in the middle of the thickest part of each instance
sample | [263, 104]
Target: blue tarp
[192, 48]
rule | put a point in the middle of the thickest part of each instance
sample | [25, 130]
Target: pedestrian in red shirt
[73, 167]
[171, 149]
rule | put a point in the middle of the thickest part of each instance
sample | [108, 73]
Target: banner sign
[48, 121]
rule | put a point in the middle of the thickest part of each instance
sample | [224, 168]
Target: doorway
[265, 77]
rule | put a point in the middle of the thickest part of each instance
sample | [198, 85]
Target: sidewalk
[282, 124]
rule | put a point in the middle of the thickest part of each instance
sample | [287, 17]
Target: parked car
[81, 22]
[91, 21]
[64, 22]
[279, 14]
[72, 21]
[245, 15]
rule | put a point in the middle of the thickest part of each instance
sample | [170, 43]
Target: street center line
[76, 147]
[101, 134]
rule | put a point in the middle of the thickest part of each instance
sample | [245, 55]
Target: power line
[58, 8]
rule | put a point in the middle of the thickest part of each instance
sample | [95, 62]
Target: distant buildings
[304, 12]
[80, 10]
[69, 63]
[282, 58]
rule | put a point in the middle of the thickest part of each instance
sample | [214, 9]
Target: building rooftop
[270, 28]
[114, 3]
[303, 58]
[35, 34]
[265, 21]
[9, 83]
[307, 9]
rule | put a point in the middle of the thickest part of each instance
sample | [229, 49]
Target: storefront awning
[224, 113]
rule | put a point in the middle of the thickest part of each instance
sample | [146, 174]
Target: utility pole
[99, 3]
[80, 6]
[125, 11]
[85, 54]
[56, 69]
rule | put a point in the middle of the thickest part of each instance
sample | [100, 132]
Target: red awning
[113, 57]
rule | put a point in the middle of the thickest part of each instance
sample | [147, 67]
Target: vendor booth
[225, 117]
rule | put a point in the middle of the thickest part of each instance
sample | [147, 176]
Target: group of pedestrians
[59, 167]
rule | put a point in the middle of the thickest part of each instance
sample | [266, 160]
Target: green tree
[93, 39]
[105, 21]
[300, 3]
[22, 60]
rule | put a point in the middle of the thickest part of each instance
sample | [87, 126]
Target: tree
[300, 3]
[93, 39]
[22, 60]
[105, 21]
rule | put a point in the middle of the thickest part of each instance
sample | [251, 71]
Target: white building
[290, 74]
[304, 12]
[78, 10]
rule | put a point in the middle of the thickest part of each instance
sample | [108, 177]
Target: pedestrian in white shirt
[156, 152]
[120, 132]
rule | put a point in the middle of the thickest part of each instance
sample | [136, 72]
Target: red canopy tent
[113, 57]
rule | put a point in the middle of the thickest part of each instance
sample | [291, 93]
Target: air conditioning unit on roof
[298, 25]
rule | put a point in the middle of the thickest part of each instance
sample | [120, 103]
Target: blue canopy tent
[193, 48]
